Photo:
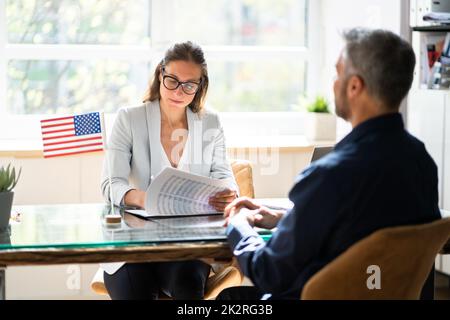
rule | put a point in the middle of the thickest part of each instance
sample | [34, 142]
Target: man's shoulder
[415, 143]
[340, 165]
[325, 168]
[369, 158]
[336, 161]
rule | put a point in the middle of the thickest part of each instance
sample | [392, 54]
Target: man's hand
[222, 199]
[266, 218]
[256, 215]
[237, 204]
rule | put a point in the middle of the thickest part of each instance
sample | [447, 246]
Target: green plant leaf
[8, 179]
[2, 180]
[319, 105]
[12, 179]
[8, 173]
[8, 183]
[17, 179]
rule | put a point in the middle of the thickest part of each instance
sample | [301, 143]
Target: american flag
[72, 135]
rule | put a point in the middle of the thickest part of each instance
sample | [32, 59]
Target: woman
[173, 129]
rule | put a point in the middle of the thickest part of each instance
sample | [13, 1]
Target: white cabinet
[426, 121]
[428, 118]
[446, 166]
[445, 264]
[429, 121]
[445, 260]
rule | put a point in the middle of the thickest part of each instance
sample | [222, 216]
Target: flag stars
[87, 124]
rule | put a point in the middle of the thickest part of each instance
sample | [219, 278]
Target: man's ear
[355, 86]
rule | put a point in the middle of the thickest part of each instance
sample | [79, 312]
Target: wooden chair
[242, 171]
[226, 277]
[405, 256]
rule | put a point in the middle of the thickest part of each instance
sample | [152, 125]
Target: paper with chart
[174, 192]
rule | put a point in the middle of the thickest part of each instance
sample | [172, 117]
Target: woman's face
[181, 71]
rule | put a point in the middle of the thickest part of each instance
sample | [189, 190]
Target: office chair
[242, 171]
[227, 276]
[405, 256]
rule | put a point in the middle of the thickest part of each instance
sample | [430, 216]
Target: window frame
[26, 127]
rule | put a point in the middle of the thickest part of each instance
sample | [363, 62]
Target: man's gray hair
[383, 60]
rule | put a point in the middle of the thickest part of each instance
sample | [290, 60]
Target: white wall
[337, 16]
[343, 14]
[76, 179]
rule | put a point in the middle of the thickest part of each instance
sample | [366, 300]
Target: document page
[176, 192]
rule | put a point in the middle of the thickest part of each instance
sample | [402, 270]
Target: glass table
[77, 233]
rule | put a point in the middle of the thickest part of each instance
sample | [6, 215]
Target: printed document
[178, 193]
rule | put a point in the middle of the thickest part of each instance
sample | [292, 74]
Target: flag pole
[108, 163]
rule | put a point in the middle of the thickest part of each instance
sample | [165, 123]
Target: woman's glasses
[171, 83]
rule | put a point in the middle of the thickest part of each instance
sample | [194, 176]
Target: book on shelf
[436, 62]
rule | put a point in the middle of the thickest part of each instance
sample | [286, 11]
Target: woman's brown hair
[186, 51]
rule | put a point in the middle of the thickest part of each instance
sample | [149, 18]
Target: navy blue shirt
[378, 176]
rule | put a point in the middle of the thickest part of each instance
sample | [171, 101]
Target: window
[59, 54]
[74, 56]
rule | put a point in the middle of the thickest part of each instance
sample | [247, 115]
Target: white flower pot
[320, 126]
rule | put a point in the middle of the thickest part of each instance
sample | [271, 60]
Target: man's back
[378, 176]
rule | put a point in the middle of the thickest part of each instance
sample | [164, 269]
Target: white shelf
[429, 120]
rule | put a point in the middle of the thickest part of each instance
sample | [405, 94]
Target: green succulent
[319, 105]
[8, 179]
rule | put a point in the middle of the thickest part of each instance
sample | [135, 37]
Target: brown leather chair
[405, 256]
[229, 275]
[242, 171]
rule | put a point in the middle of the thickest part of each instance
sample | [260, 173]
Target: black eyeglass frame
[180, 83]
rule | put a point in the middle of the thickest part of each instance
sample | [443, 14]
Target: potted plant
[320, 122]
[8, 181]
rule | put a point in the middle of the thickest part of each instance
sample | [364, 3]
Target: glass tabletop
[83, 225]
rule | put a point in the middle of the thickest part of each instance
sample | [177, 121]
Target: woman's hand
[135, 198]
[222, 199]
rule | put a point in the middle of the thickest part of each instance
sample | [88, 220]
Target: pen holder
[113, 220]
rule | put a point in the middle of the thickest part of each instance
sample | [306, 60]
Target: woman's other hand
[222, 199]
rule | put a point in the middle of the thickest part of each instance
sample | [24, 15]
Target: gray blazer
[136, 154]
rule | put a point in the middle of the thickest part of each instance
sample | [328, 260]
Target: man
[378, 176]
